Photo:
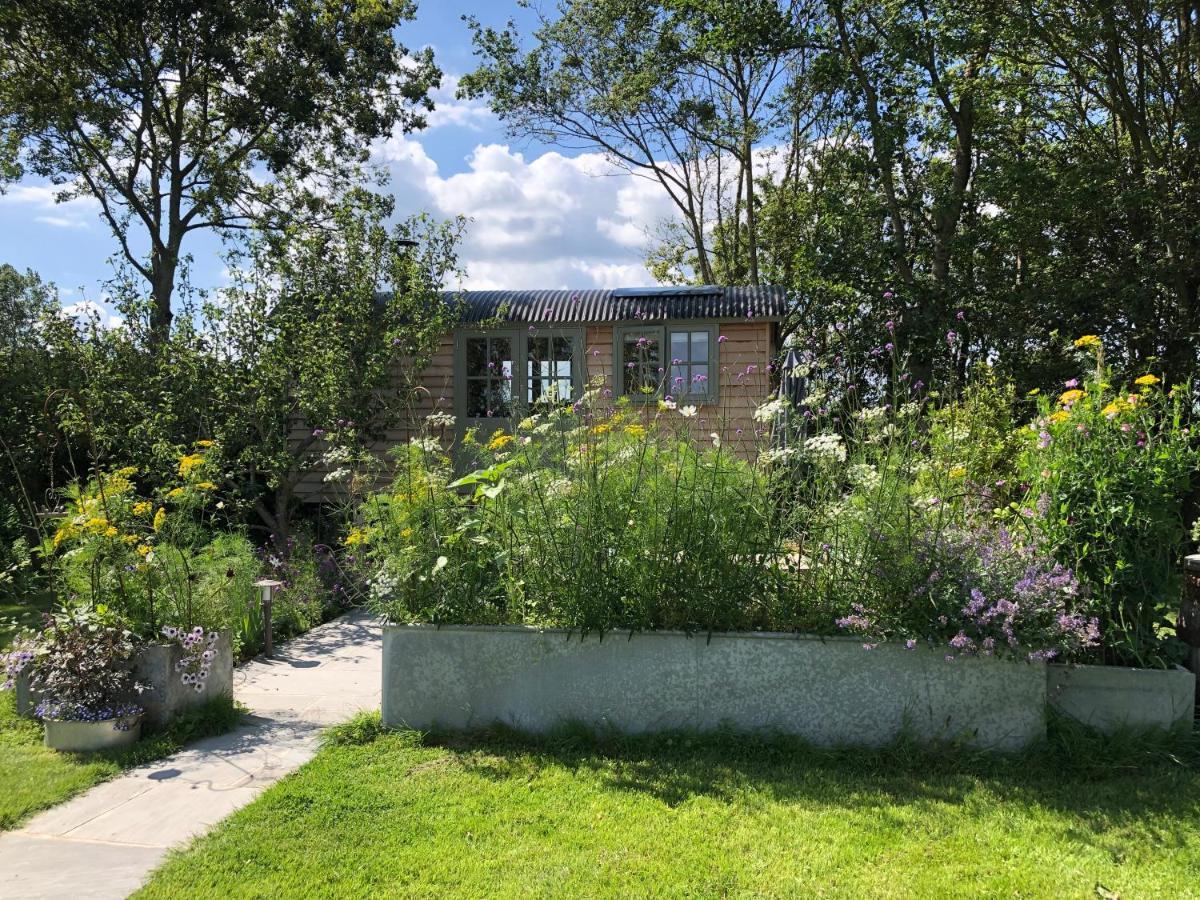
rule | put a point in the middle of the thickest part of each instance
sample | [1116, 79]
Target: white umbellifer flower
[865, 475]
[771, 410]
[338, 474]
[428, 444]
[777, 455]
[688, 412]
[873, 413]
[544, 428]
[440, 419]
[827, 447]
[336, 456]
[909, 409]
[814, 399]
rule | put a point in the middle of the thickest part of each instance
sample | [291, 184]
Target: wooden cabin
[708, 347]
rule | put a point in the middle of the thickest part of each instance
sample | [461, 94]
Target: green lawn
[23, 613]
[498, 816]
[33, 778]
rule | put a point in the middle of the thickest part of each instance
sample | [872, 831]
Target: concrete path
[105, 842]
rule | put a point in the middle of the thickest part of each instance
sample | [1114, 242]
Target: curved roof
[653, 304]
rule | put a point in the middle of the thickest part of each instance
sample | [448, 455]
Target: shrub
[152, 560]
[1108, 470]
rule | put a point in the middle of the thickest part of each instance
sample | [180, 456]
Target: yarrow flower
[1146, 380]
[1088, 340]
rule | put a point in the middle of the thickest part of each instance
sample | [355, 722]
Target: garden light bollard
[1188, 624]
[268, 592]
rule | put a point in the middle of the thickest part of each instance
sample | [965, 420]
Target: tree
[180, 116]
[688, 93]
[320, 341]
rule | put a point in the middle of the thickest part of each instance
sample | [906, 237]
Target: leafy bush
[1108, 470]
[153, 560]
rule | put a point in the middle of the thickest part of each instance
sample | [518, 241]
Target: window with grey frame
[501, 373]
[686, 371]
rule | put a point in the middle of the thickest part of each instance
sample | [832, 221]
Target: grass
[501, 815]
[16, 615]
[33, 778]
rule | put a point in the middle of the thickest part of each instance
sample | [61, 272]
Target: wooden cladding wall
[744, 382]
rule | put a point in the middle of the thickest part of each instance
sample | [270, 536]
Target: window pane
[699, 380]
[679, 346]
[562, 348]
[699, 347]
[500, 359]
[499, 399]
[476, 398]
[679, 380]
[477, 356]
[640, 363]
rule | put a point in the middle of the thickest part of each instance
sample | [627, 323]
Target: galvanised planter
[166, 695]
[88, 737]
[1111, 698]
[828, 691]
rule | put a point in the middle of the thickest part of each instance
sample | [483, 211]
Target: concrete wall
[827, 691]
[1108, 698]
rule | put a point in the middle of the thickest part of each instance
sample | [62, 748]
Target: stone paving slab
[105, 842]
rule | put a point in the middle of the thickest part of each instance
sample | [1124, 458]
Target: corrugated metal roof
[624, 304]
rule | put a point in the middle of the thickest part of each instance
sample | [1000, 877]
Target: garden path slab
[103, 843]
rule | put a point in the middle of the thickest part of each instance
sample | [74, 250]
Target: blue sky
[541, 216]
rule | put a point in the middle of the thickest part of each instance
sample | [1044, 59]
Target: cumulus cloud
[549, 221]
[91, 312]
[449, 111]
[77, 213]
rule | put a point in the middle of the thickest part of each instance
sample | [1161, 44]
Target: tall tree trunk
[163, 266]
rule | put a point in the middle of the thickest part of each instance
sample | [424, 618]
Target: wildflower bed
[496, 815]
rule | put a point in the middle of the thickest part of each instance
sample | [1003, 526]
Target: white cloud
[77, 213]
[61, 221]
[89, 311]
[448, 110]
[551, 221]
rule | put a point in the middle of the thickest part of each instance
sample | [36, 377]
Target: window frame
[520, 379]
[663, 332]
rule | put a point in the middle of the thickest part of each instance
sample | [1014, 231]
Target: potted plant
[81, 667]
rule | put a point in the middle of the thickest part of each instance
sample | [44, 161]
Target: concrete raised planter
[166, 695]
[1109, 698]
[830, 692]
[88, 737]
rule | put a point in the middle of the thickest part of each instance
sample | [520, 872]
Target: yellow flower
[176, 492]
[499, 441]
[1146, 380]
[129, 539]
[142, 508]
[96, 524]
[635, 431]
[1034, 392]
[189, 463]
[1059, 416]
[160, 519]
[144, 549]
[127, 472]
[204, 444]
[206, 486]
[1069, 397]
[1088, 340]
[356, 536]
[1114, 409]
[958, 471]
[66, 532]
[406, 533]
[602, 428]
[110, 531]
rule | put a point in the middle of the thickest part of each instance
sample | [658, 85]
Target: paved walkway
[105, 842]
